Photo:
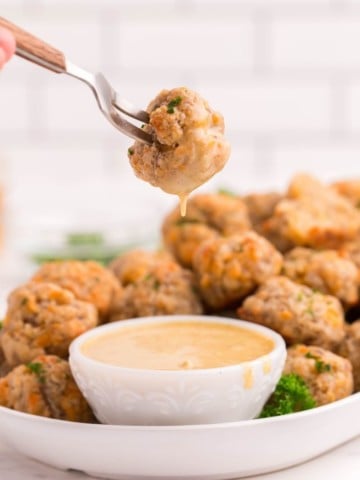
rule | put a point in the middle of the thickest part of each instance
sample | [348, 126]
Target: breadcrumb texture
[312, 215]
[189, 145]
[45, 387]
[153, 284]
[43, 318]
[298, 313]
[209, 216]
[261, 205]
[326, 271]
[87, 280]
[350, 348]
[228, 269]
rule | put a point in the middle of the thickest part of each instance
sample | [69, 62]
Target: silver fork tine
[105, 96]
[127, 108]
[129, 129]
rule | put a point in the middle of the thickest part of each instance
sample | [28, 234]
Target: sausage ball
[313, 215]
[270, 229]
[261, 205]
[43, 318]
[350, 349]
[4, 367]
[88, 281]
[208, 217]
[349, 189]
[328, 376]
[228, 269]
[326, 271]
[295, 311]
[351, 251]
[45, 387]
[135, 264]
[160, 288]
[189, 145]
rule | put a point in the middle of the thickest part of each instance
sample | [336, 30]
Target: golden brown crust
[313, 215]
[208, 217]
[351, 251]
[88, 281]
[261, 206]
[135, 264]
[228, 269]
[328, 376]
[153, 284]
[350, 349]
[45, 387]
[349, 189]
[43, 318]
[189, 145]
[326, 271]
[298, 313]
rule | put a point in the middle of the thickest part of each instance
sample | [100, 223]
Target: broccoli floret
[291, 395]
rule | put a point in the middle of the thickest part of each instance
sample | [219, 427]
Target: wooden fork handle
[34, 49]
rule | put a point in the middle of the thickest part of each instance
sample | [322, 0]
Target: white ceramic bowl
[128, 396]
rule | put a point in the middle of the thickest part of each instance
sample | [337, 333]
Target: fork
[112, 106]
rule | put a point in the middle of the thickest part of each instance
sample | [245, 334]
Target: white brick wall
[327, 41]
[285, 73]
[186, 45]
[271, 106]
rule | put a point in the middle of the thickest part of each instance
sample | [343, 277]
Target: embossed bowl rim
[275, 354]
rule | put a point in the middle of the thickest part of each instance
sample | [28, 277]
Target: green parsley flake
[156, 282]
[225, 191]
[37, 368]
[320, 366]
[172, 104]
[185, 221]
[130, 151]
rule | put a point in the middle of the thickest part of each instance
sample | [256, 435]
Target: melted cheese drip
[183, 203]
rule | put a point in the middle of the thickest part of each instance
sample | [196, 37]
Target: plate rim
[181, 428]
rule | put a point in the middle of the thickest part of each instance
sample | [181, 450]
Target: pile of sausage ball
[288, 261]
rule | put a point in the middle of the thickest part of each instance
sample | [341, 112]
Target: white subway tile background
[285, 74]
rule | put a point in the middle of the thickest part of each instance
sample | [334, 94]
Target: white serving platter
[198, 452]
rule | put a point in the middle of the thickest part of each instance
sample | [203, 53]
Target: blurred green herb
[87, 238]
[186, 220]
[156, 283]
[172, 104]
[37, 368]
[225, 191]
[103, 254]
[320, 366]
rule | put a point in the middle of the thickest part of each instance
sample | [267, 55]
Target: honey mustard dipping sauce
[187, 345]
